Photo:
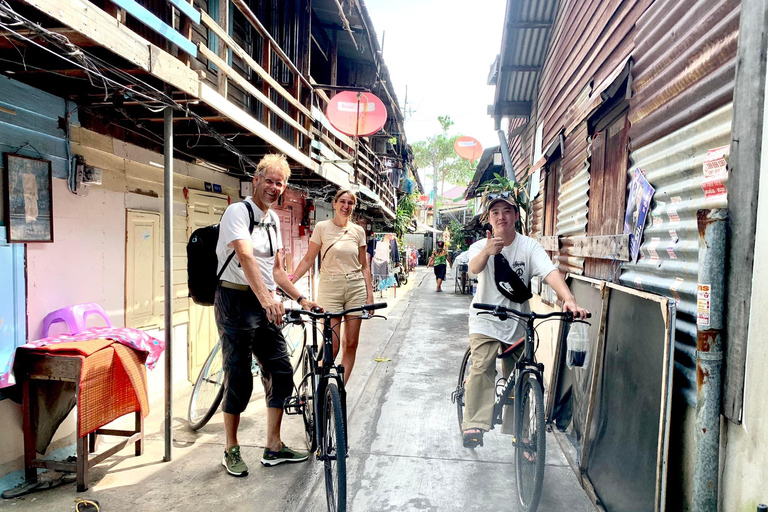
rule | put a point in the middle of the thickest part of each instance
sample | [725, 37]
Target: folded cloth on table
[133, 338]
[113, 382]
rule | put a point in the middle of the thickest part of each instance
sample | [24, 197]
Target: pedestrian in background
[439, 258]
[345, 277]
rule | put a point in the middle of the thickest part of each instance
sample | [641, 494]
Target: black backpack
[202, 262]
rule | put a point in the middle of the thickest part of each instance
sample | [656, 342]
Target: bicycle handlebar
[495, 309]
[294, 314]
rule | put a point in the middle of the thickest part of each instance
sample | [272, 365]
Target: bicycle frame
[525, 365]
[323, 373]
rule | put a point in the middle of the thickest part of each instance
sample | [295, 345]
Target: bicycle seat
[509, 349]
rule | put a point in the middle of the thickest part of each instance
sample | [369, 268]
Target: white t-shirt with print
[528, 258]
[234, 226]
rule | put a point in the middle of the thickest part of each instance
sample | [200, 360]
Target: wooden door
[203, 209]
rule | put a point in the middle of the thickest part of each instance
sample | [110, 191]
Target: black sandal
[473, 437]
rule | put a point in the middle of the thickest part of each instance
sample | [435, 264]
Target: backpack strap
[250, 230]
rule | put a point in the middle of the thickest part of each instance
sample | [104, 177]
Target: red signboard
[354, 113]
[468, 148]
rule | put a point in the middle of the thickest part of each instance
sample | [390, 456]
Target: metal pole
[434, 190]
[168, 266]
[709, 323]
[506, 156]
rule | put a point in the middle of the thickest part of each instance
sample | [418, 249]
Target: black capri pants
[440, 271]
[245, 330]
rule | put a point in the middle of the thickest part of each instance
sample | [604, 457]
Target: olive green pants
[479, 389]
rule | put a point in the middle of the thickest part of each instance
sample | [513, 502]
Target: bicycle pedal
[293, 405]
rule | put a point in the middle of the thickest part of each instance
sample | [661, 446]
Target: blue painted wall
[13, 318]
[29, 119]
[29, 126]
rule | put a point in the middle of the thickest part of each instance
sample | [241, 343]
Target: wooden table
[32, 367]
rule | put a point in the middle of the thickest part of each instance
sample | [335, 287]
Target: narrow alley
[405, 449]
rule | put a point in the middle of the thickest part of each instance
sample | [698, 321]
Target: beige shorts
[338, 292]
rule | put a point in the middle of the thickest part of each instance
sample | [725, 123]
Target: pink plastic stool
[75, 317]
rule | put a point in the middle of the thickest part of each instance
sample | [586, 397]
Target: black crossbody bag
[508, 282]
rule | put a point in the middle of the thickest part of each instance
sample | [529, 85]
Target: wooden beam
[105, 30]
[512, 69]
[511, 109]
[149, 19]
[215, 100]
[528, 24]
[187, 9]
[550, 243]
[221, 50]
[254, 20]
[237, 50]
[225, 70]
[607, 247]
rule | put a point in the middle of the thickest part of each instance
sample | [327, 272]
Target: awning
[423, 228]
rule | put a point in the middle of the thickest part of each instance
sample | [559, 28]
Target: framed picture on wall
[28, 199]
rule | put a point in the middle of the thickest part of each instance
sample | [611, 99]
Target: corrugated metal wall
[683, 76]
[592, 39]
[670, 249]
[573, 203]
[537, 218]
[685, 60]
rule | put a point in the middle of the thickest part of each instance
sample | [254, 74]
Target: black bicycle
[321, 399]
[526, 382]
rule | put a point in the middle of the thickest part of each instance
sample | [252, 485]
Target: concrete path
[405, 446]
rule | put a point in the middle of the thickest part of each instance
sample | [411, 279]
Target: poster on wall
[638, 203]
[28, 199]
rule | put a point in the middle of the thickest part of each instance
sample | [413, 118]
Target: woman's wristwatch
[301, 298]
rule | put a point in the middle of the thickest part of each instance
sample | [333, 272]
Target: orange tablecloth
[113, 382]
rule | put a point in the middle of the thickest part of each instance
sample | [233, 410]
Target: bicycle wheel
[334, 450]
[208, 390]
[307, 398]
[530, 444]
[466, 362]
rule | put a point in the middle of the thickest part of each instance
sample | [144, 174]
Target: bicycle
[209, 385]
[321, 400]
[526, 381]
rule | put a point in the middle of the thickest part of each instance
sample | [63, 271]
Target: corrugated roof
[527, 30]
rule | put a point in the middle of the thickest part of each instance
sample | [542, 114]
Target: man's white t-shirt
[526, 257]
[234, 226]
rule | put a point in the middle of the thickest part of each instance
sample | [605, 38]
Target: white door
[203, 209]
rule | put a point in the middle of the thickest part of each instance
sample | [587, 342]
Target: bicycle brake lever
[378, 316]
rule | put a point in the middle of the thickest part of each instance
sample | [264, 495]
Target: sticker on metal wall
[652, 248]
[671, 253]
[703, 297]
[673, 235]
[714, 162]
[674, 218]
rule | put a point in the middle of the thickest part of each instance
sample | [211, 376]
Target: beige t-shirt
[342, 256]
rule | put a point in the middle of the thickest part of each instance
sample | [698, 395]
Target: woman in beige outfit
[345, 279]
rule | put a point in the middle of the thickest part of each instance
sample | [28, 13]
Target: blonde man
[248, 315]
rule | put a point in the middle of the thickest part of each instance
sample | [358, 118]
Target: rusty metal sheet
[684, 65]
[572, 218]
[597, 40]
[669, 264]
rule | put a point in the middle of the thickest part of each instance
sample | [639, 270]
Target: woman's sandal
[472, 437]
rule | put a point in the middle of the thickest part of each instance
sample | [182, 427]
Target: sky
[442, 50]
